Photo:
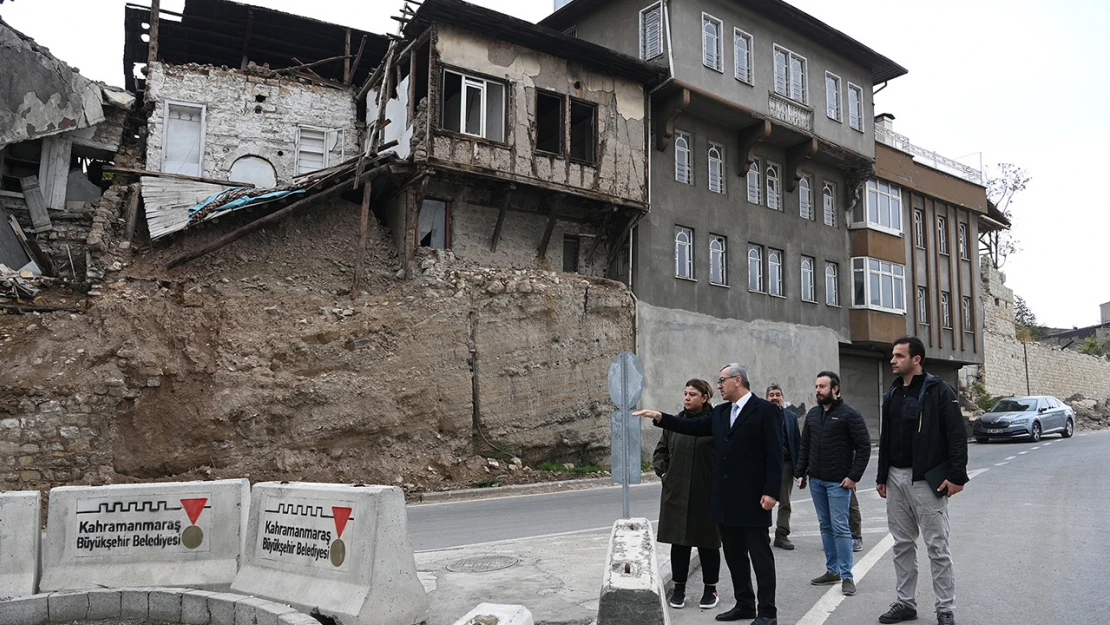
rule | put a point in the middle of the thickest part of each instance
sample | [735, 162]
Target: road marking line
[825, 606]
[1011, 457]
[998, 464]
[1037, 447]
[1049, 443]
[1022, 453]
[972, 474]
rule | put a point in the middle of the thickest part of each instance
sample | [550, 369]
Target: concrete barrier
[497, 614]
[339, 551]
[19, 543]
[171, 534]
[631, 590]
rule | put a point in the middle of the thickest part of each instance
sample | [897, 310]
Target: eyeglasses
[722, 380]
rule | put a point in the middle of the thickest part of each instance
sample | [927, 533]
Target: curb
[467, 494]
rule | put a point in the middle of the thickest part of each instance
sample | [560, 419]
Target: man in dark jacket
[922, 439]
[835, 450]
[790, 443]
[747, 471]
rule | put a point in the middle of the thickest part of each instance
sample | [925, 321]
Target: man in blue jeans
[834, 453]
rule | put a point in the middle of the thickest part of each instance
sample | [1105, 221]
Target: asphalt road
[1030, 535]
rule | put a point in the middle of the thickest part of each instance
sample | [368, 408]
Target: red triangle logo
[341, 516]
[193, 508]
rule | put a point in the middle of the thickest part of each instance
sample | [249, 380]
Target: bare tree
[1008, 181]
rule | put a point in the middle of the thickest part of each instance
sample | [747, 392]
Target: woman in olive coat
[686, 465]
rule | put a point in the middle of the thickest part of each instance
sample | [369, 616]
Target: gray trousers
[912, 508]
[783, 525]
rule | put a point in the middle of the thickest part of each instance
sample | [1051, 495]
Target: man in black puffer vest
[834, 454]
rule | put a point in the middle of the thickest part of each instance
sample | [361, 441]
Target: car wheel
[1069, 429]
[981, 441]
[1036, 435]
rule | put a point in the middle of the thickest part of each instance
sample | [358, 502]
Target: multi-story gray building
[761, 143]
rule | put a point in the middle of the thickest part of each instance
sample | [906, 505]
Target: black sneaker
[708, 598]
[826, 580]
[897, 613]
[946, 618]
[857, 545]
[677, 599]
[784, 543]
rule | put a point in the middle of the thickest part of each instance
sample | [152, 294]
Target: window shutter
[651, 32]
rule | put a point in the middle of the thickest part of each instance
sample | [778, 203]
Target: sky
[987, 79]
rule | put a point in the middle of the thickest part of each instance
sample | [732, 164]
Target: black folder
[936, 477]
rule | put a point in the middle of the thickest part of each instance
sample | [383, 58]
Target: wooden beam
[347, 51]
[665, 117]
[749, 137]
[616, 249]
[152, 45]
[162, 174]
[552, 217]
[354, 65]
[600, 233]
[304, 70]
[506, 196]
[131, 213]
[363, 227]
[40, 218]
[247, 39]
[287, 70]
[795, 156]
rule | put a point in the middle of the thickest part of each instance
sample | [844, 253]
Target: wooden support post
[132, 211]
[354, 64]
[552, 217]
[616, 249]
[749, 137]
[363, 227]
[247, 39]
[347, 56]
[600, 233]
[506, 197]
[795, 156]
[152, 45]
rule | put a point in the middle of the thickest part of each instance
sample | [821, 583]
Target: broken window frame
[327, 152]
[591, 157]
[165, 132]
[446, 223]
[562, 124]
[482, 84]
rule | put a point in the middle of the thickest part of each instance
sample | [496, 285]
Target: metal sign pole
[625, 416]
[626, 384]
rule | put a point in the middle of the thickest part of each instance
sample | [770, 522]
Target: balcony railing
[928, 157]
[789, 111]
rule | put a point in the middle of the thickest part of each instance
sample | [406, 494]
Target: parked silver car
[1025, 417]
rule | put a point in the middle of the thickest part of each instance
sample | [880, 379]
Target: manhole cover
[482, 564]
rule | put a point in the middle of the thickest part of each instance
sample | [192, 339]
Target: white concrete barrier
[339, 551]
[169, 534]
[19, 543]
[497, 614]
[631, 590]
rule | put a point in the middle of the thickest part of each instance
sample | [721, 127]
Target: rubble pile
[1090, 414]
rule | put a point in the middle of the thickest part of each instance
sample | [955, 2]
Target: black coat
[686, 465]
[941, 435]
[748, 459]
[793, 436]
[835, 444]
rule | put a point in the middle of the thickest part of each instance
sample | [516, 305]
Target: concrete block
[64, 607]
[245, 609]
[497, 614]
[341, 551]
[134, 603]
[270, 613]
[297, 618]
[33, 610]
[104, 604]
[194, 607]
[19, 543]
[164, 605]
[221, 608]
[631, 590]
[172, 534]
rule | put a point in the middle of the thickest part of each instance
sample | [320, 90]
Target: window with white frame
[809, 290]
[683, 168]
[774, 272]
[651, 31]
[878, 285]
[942, 235]
[718, 260]
[805, 198]
[828, 202]
[832, 284]
[716, 168]
[919, 228]
[790, 75]
[473, 106]
[183, 139]
[774, 187]
[318, 148]
[964, 252]
[755, 192]
[923, 305]
[711, 52]
[855, 107]
[832, 96]
[884, 207]
[683, 253]
[755, 268]
[742, 55]
[967, 315]
[946, 311]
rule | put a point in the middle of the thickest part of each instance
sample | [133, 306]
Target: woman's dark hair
[702, 387]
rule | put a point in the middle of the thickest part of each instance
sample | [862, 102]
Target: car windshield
[1014, 405]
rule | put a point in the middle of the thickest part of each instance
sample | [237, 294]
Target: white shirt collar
[738, 406]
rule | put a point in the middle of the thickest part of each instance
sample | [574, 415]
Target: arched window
[711, 42]
[774, 272]
[805, 199]
[755, 268]
[832, 285]
[717, 251]
[797, 79]
[774, 201]
[828, 199]
[807, 279]
[716, 169]
[781, 81]
[683, 253]
[682, 172]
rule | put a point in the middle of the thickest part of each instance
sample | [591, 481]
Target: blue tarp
[240, 202]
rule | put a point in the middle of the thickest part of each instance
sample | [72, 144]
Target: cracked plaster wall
[237, 125]
[620, 170]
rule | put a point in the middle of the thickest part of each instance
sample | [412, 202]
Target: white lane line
[1022, 453]
[1037, 447]
[1048, 443]
[972, 474]
[825, 606]
[998, 464]
[1011, 457]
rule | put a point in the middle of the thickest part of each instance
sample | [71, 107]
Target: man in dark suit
[747, 475]
[791, 443]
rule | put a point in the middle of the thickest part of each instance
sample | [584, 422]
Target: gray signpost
[626, 384]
